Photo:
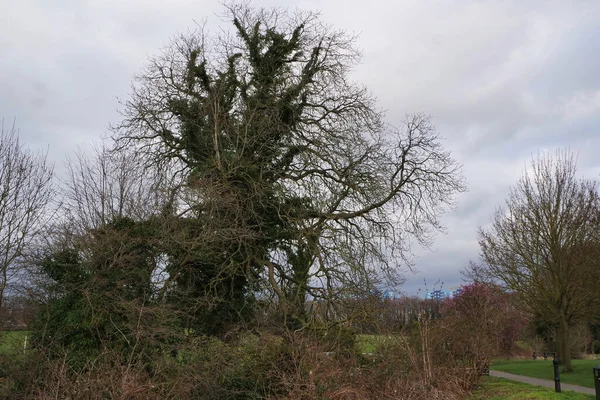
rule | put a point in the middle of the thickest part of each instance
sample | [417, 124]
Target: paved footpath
[541, 382]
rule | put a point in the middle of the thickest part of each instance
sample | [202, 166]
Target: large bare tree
[543, 244]
[300, 188]
[25, 193]
[104, 185]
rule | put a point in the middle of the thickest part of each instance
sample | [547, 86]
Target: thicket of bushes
[251, 366]
[439, 357]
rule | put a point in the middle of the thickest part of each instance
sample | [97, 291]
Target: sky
[502, 80]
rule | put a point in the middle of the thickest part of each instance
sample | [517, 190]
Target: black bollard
[486, 369]
[597, 381]
[556, 375]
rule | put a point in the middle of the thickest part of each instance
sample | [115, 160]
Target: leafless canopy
[108, 185]
[544, 243]
[25, 193]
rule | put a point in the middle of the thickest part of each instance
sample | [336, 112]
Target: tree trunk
[2, 289]
[563, 344]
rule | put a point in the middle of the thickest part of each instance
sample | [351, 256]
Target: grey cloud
[502, 80]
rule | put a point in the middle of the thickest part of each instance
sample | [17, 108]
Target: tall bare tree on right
[543, 244]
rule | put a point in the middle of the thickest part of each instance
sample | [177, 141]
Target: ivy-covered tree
[294, 186]
[102, 264]
[101, 290]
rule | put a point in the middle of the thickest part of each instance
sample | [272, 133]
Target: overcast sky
[501, 79]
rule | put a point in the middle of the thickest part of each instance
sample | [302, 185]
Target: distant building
[437, 294]
[456, 291]
[442, 294]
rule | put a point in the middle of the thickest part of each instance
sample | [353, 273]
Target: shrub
[268, 364]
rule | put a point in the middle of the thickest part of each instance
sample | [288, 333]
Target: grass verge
[370, 343]
[582, 374]
[11, 342]
[492, 388]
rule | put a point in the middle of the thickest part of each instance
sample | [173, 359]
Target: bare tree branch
[25, 193]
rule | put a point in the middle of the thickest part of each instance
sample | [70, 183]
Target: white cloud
[501, 79]
[582, 104]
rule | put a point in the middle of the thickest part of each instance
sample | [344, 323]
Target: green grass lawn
[370, 343]
[492, 388]
[582, 370]
[12, 341]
